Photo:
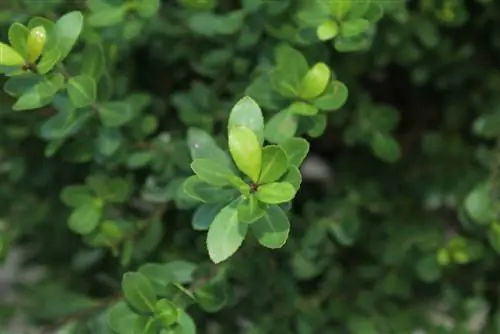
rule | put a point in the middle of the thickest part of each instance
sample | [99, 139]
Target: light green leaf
[37, 38]
[291, 63]
[139, 291]
[148, 8]
[202, 145]
[160, 274]
[296, 150]
[339, 9]
[479, 205]
[327, 30]
[250, 209]
[82, 91]
[315, 81]
[354, 27]
[274, 164]
[293, 177]
[247, 113]
[276, 193]
[120, 318]
[225, 234]
[212, 172]
[108, 141]
[166, 312]
[273, 228]
[41, 94]
[334, 97]
[302, 108]
[18, 36]
[66, 32]
[281, 127]
[144, 325]
[9, 56]
[385, 147]
[201, 191]
[246, 151]
[115, 114]
[85, 218]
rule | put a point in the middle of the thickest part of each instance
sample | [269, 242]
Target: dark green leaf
[138, 291]
[115, 114]
[204, 215]
[82, 91]
[385, 147]
[121, 318]
[211, 297]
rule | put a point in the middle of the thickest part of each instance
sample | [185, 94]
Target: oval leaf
[246, 151]
[274, 164]
[82, 91]
[85, 218]
[139, 291]
[276, 193]
[273, 228]
[334, 97]
[315, 81]
[35, 43]
[166, 313]
[225, 234]
[247, 113]
[296, 150]
[212, 172]
[327, 30]
[9, 56]
[281, 127]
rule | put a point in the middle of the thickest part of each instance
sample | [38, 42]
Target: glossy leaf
[315, 81]
[327, 30]
[276, 193]
[293, 176]
[354, 27]
[212, 172]
[273, 228]
[201, 191]
[302, 108]
[204, 215]
[296, 150]
[334, 97]
[247, 113]
[249, 210]
[225, 234]
[41, 94]
[211, 297]
[246, 151]
[9, 56]
[18, 36]
[274, 164]
[37, 38]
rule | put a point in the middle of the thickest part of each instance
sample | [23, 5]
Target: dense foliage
[151, 155]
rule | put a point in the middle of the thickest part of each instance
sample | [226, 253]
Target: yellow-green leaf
[9, 56]
[246, 151]
[36, 42]
[315, 81]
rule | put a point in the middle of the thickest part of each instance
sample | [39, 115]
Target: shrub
[153, 162]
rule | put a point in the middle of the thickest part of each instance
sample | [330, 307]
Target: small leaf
[211, 297]
[315, 81]
[247, 113]
[82, 91]
[385, 147]
[479, 205]
[327, 30]
[166, 313]
[36, 41]
[121, 318]
[276, 193]
[246, 151]
[115, 114]
[296, 150]
[148, 8]
[67, 30]
[274, 164]
[75, 196]
[159, 274]
[225, 234]
[93, 62]
[18, 35]
[9, 56]
[204, 215]
[273, 228]
[139, 291]
[354, 27]
[41, 94]
[202, 145]
[212, 172]
[302, 108]
[85, 218]
[108, 16]
[281, 127]
[250, 210]
[144, 325]
[334, 97]
[339, 9]
[201, 191]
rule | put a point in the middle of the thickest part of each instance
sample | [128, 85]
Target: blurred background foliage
[402, 237]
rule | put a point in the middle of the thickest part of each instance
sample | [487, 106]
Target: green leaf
[212, 172]
[247, 113]
[354, 27]
[115, 114]
[9, 56]
[211, 296]
[315, 81]
[159, 274]
[120, 318]
[18, 36]
[37, 38]
[109, 16]
[93, 62]
[186, 324]
[479, 205]
[82, 91]
[339, 9]
[276, 193]
[75, 196]
[85, 218]
[225, 234]
[108, 141]
[273, 228]
[65, 123]
[428, 269]
[281, 127]
[494, 236]
[302, 108]
[139, 291]
[250, 210]
[202, 146]
[65, 35]
[166, 312]
[293, 177]
[144, 325]
[41, 94]
[385, 147]
[291, 63]
[334, 97]
[296, 150]
[246, 151]
[201, 191]
[327, 30]
[204, 215]
[274, 164]
[148, 8]
[118, 190]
